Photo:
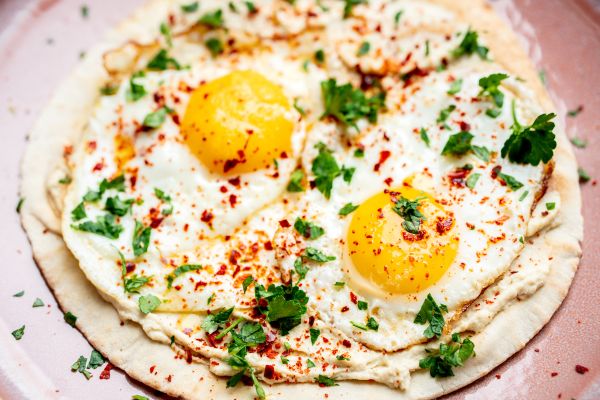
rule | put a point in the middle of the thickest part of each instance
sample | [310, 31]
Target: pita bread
[126, 345]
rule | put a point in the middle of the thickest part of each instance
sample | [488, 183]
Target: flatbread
[127, 346]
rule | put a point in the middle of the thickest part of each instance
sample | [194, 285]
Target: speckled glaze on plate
[42, 40]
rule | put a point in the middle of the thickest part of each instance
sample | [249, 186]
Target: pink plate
[40, 43]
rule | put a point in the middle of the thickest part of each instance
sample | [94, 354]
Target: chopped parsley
[295, 184]
[445, 113]
[136, 90]
[300, 269]
[212, 322]
[326, 169]
[19, 294]
[96, 360]
[579, 143]
[359, 153]
[105, 225]
[148, 303]
[141, 239]
[114, 205]
[190, 8]
[362, 305]
[18, 333]
[372, 324]
[440, 362]
[342, 358]
[409, 211]
[483, 153]
[162, 61]
[161, 195]
[70, 318]
[317, 255]
[78, 212]
[38, 303]
[347, 105]
[431, 313]
[285, 305]
[65, 181]
[319, 56]
[490, 87]
[79, 366]
[182, 269]
[397, 18]
[85, 11]
[530, 144]
[458, 144]
[583, 175]
[325, 381]
[156, 118]
[310, 363]
[349, 6]
[247, 282]
[215, 46]
[165, 30]
[133, 284]
[364, 48]
[455, 87]
[251, 7]
[308, 229]
[347, 209]
[314, 335]
[550, 206]
[339, 284]
[109, 89]
[524, 195]
[510, 181]
[298, 108]
[20, 204]
[470, 45]
[212, 20]
[472, 180]
[285, 360]
[424, 136]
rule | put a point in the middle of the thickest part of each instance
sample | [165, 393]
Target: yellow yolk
[385, 254]
[238, 123]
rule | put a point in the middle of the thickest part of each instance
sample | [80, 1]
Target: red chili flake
[388, 181]
[212, 339]
[91, 145]
[105, 374]
[222, 270]
[133, 180]
[175, 118]
[98, 167]
[311, 320]
[232, 200]
[234, 256]
[268, 246]
[443, 225]
[207, 217]
[284, 223]
[580, 369]
[498, 376]
[464, 126]
[457, 177]
[269, 371]
[345, 308]
[553, 374]
[156, 222]
[383, 156]
[235, 181]
[353, 298]
[67, 150]
[223, 189]
[130, 267]
[152, 368]
[169, 378]
[346, 343]
[411, 237]
[199, 284]
[230, 164]
[188, 356]
[495, 171]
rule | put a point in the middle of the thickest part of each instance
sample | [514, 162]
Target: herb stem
[230, 327]
[514, 114]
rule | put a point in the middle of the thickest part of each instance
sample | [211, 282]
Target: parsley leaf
[362, 305]
[96, 360]
[490, 87]
[20, 204]
[212, 20]
[18, 333]
[431, 313]
[215, 46]
[182, 269]
[70, 318]
[470, 45]
[190, 8]
[38, 303]
[325, 381]
[440, 363]
[583, 175]
[326, 169]
[364, 48]
[19, 294]
[295, 185]
[247, 282]
[350, 4]
[133, 284]
[286, 305]
[531, 144]
[372, 324]
[212, 322]
[445, 113]
[458, 144]
[483, 153]
[347, 105]
[409, 210]
[472, 180]
[148, 303]
[317, 255]
[78, 212]
[310, 363]
[141, 239]
[105, 225]
[136, 90]
[455, 87]
[314, 335]
[579, 143]
[300, 269]
[161, 61]
[308, 229]
[156, 118]
[347, 209]
[116, 206]
[510, 181]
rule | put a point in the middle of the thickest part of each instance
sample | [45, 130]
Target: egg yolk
[388, 256]
[238, 123]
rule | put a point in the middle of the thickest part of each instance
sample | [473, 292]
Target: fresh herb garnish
[359, 153]
[347, 209]
[349, 6]
[18, 333]
[578, 142]
[550, 206]
[320, 56]
[105, 225]
[300, 269]
[136, 90]
[20, 204]
[295, 185]
[162, 61]
[70, 318]
[490, 87]
[141, 239]
[455, 87]
[148, 303]
[510, 181]
[38, 303]
[325, 381]
[317, 255]
[165, 30]
[347, 105]
[483, 153]
[362, 305]
[431, 313]
[326, 169]
[310, 363]
[247, 282]
[114, 205]
[109, 89]
[65, 180]
[78, 212]
[364, 48]
[285, 305]
[156, 118]
[530, 144]
[440, 362]
[470, 45]
[215, 46]
[314, 335]
[182, 269]
[96, 360]
[190, 8]
[458, 144]
[472, 180]
[372, 324]
[19, 294]
[308, 229]
[212, 20]
[212, 322]
[397, 18]
[445, 113]
[575, 112]
[583, 175]
[409, 210]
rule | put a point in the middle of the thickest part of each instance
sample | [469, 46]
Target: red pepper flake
[222, 270]
[105, 374]
[152, 368]
[232, 200]
[465, 127]
[268, 246]
[580, 369]
[495, 171]
[498, 376]
[383, 156]
[175, 118]
[553, 374]
[230, 164]
[346, 343]
[223, 189]
[234, 182]
[457, 177]
[156, 222]
[284, 223]
[269, 371]
[443, 225]
[353, 298]
[207, 217]
[345, 308]
[388, 181]
[411, 237]
[98, 167]
[169, 378]
[212, 339]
